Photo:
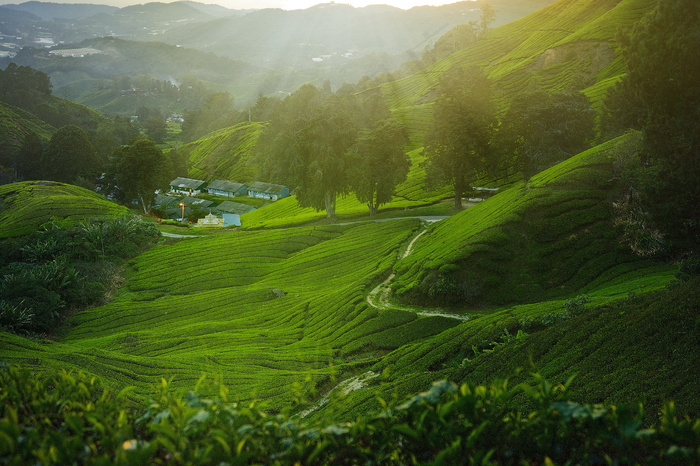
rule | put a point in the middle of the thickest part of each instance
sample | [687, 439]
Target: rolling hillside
[25, 206]
[225, 154]
[567, 45]
[262, 310]
[534, 279]
[547, 238]
[15, 124]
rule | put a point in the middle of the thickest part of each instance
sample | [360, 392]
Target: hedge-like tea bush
[70, 419]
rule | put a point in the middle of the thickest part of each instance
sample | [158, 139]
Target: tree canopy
[541, 129]
[664, 79]
[70, 155]
[136, 171]
[459, 142]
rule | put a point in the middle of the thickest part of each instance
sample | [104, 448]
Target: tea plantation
[25, 206]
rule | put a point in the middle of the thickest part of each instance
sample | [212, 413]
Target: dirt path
[379, 297]
[346, 386]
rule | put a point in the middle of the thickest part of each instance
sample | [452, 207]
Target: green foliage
[136, 171]
[64, 266]
[378, 164]
[577, 305]
[69, 156]
[525, 243]
[66, 418]
[27, 205]
[216, 113]
[662, 79]
[541, 129]
[458, 143]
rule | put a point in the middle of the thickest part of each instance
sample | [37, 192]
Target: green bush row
[69, 418]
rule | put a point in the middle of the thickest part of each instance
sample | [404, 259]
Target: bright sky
[302, 4]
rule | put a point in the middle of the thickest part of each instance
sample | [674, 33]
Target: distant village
[183, 199]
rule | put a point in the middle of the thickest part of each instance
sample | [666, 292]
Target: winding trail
[346, 386]
[379, 297]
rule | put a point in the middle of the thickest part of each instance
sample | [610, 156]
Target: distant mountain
[48, 10]
[335, 32]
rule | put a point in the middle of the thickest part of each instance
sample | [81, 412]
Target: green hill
[570, 44]
[263, 310]
[535, 241]
[225, 154]
[25, 206]
[15, 124]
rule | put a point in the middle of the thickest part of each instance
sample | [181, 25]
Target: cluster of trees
[661, 96]
[135, 171]
[63, 267]
[327, 145]
[467, 141]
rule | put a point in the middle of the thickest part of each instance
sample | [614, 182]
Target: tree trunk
[372, 209]
[330, 204]
[143, 204]
[459, 189]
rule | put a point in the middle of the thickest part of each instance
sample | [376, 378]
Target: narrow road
[174, 235]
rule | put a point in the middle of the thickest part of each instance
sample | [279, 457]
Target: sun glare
[405, 4]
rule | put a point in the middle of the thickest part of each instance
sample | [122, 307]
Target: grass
[27, 205]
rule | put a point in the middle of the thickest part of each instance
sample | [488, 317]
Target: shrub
[69, 418]
[577, 305]
[65, 265]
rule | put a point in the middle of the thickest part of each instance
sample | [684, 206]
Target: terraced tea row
[25, 206]
[295, 311]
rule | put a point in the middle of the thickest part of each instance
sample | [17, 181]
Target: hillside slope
[570, 44]
[25, 206]
[566, 45]
[265, 311]
[225, 154]
[535, 241]
[15, 125]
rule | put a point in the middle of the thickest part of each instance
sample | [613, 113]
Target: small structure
[227, 188]
[484, 193]
[231, 207]
[187, 186]
[210, 221]
[196, 203]
[231, 219]
[273, 192]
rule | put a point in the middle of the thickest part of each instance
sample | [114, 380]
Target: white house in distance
[267, 191]
[187, 186]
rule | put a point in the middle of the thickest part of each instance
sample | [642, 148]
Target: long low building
[227, 188]
[268, 191]
[187, 186]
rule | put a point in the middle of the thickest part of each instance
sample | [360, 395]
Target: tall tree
[70, 155]
[378, 163]
[29, 162]
[541, 129]
[321, 166]
[664, 76]
[136, 171]
[459, 141]
[305, 145]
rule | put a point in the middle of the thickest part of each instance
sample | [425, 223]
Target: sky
[257, 4]
[300, 4]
